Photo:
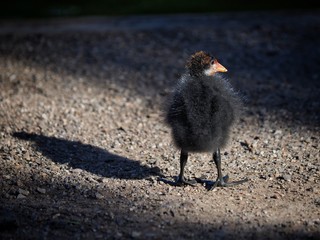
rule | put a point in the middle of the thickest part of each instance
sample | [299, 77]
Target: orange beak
[219, 67]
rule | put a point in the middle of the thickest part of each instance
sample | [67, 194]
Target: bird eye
[212, 62]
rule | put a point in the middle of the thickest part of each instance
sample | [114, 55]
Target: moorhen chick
[201, 111]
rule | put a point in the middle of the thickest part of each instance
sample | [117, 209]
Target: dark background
[61, 8]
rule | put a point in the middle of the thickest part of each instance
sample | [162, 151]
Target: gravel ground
[84, 149]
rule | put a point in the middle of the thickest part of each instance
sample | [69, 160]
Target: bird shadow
[87, 157]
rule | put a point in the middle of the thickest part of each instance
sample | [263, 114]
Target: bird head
[201, 63]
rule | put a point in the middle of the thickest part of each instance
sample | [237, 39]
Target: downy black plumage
[201, 111]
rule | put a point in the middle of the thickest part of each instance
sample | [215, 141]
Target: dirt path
[83, 147]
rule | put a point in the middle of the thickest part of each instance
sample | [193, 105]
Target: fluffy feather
[201, 111]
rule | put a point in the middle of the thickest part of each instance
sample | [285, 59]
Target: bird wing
[177, 108]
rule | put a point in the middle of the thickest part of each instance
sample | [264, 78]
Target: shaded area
[90, 158]
[114, 221]
[126, 214]
[36, 8]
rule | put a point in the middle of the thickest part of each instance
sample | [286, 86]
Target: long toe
[183, 182]
[231, 184]
[210, 183]
[224, 183]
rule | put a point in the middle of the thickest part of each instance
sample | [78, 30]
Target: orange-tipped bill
[219, 67]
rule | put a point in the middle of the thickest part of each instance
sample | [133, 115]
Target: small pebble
[21, 196]
[136, 234]
[41, 190]
[99, 196]
[286, 177]
[23, 192]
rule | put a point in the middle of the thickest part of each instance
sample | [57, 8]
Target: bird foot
[224, 182]
[181, 181]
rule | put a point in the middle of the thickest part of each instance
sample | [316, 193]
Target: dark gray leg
[222, 181]
[183, 161]
[217, 161]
